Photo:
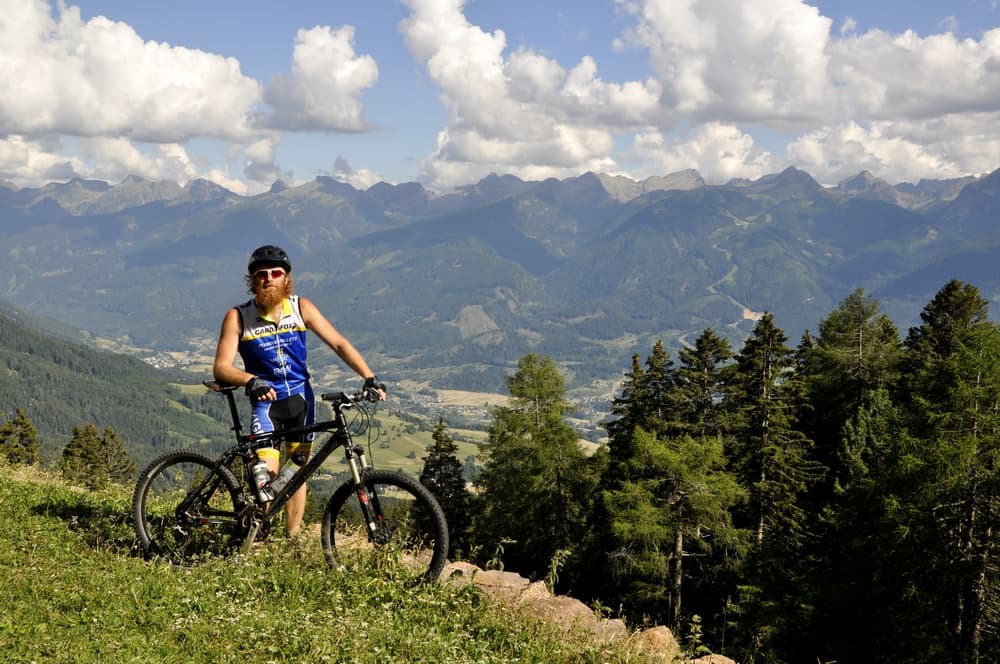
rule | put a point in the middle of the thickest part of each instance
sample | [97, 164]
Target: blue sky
[445, 91]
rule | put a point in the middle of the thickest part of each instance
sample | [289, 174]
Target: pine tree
[643, 402]
[19, 439]
[536, 484]
[946, 476]
[770, 456]
[767, 451]
[442, 475]
[94, 460]
[699, 385]
[858, 351]
[848, 371]
[654, 511]
[675, 506]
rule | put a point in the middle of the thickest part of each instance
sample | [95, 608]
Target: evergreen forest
[834, 499]
[62, 385]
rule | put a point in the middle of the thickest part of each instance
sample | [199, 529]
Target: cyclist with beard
[269, 333]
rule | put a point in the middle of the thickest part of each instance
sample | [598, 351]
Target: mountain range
[450, 290]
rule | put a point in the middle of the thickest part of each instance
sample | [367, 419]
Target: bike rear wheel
[184, 509]
[408, 535]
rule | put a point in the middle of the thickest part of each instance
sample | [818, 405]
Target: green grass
[77, 591]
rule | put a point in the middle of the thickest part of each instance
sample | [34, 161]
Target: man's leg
[295, 508]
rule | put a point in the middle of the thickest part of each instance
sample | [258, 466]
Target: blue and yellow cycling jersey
[275, 350]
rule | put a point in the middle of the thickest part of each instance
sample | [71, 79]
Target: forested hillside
[834, 499]
[61, 385]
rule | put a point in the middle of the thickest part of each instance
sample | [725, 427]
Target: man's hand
[258, 388]
[374, 389]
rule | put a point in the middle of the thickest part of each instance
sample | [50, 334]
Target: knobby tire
[208, 527]
[410, 540]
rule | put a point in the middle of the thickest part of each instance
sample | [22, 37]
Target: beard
[268, 298]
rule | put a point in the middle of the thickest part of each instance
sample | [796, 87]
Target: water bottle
[291, 467]
[262, 477]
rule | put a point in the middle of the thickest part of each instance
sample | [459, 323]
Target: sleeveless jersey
[275, 350]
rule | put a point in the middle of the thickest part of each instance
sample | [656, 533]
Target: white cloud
[729, 61]
[32, 163]
[899, 77]
[95, 99]
[722, 152]
[259, 165]
[99, 78]
[322, 91]
[360, 178]
[724, 71]
[101, 83]
[907, 151]
[520, 113]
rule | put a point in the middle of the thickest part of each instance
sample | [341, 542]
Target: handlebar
[370, 394]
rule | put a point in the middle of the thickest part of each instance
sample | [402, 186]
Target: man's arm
[225, 353]
[338, 343]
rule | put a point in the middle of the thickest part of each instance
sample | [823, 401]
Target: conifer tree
[699, 385]
[770, 456]
[643, 402]
[675, 506]
[946, 476]
[653, 511]
[94, 460]
[536, 483]
[19, 439]
[442, 475]
[858, 351]
[625, 417]
[767, 452]
[849, 370]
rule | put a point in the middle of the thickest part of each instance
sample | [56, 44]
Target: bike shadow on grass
[98, 526]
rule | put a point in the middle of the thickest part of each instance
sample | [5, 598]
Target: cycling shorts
[295, 411]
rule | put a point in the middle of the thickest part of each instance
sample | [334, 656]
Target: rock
[657, 643]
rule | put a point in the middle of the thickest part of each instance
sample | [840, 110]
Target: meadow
[78, 591]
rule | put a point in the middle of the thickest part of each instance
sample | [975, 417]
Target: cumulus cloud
[521, 113]
[725, 77]
[723, 152]
[99, 78]
[130, 105]
[259, 165]
[900, 105]
[947, 147]
[737, 61]
[322, 90]
[904, 77]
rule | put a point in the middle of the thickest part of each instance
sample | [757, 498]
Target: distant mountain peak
[201, 190]
[335, 187]
[791, 181]
[624, 189]
[863, 182]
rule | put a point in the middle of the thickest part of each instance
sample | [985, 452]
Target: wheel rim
[184, 533]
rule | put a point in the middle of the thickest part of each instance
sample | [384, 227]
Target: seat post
[228, 391]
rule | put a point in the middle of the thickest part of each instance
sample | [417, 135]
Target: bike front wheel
[184, 508]
[389, 525]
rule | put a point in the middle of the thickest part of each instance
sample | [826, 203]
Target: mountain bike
[188, 506]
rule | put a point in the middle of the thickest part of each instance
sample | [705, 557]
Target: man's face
[270, 285]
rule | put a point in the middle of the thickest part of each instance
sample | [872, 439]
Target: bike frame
[247, 445]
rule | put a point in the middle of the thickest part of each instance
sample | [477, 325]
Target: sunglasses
[273, 273]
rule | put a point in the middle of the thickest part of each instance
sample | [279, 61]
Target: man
[269, 333]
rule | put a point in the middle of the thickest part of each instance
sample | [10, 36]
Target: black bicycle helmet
[266, 256]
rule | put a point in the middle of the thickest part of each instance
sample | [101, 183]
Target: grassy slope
[77, 592]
